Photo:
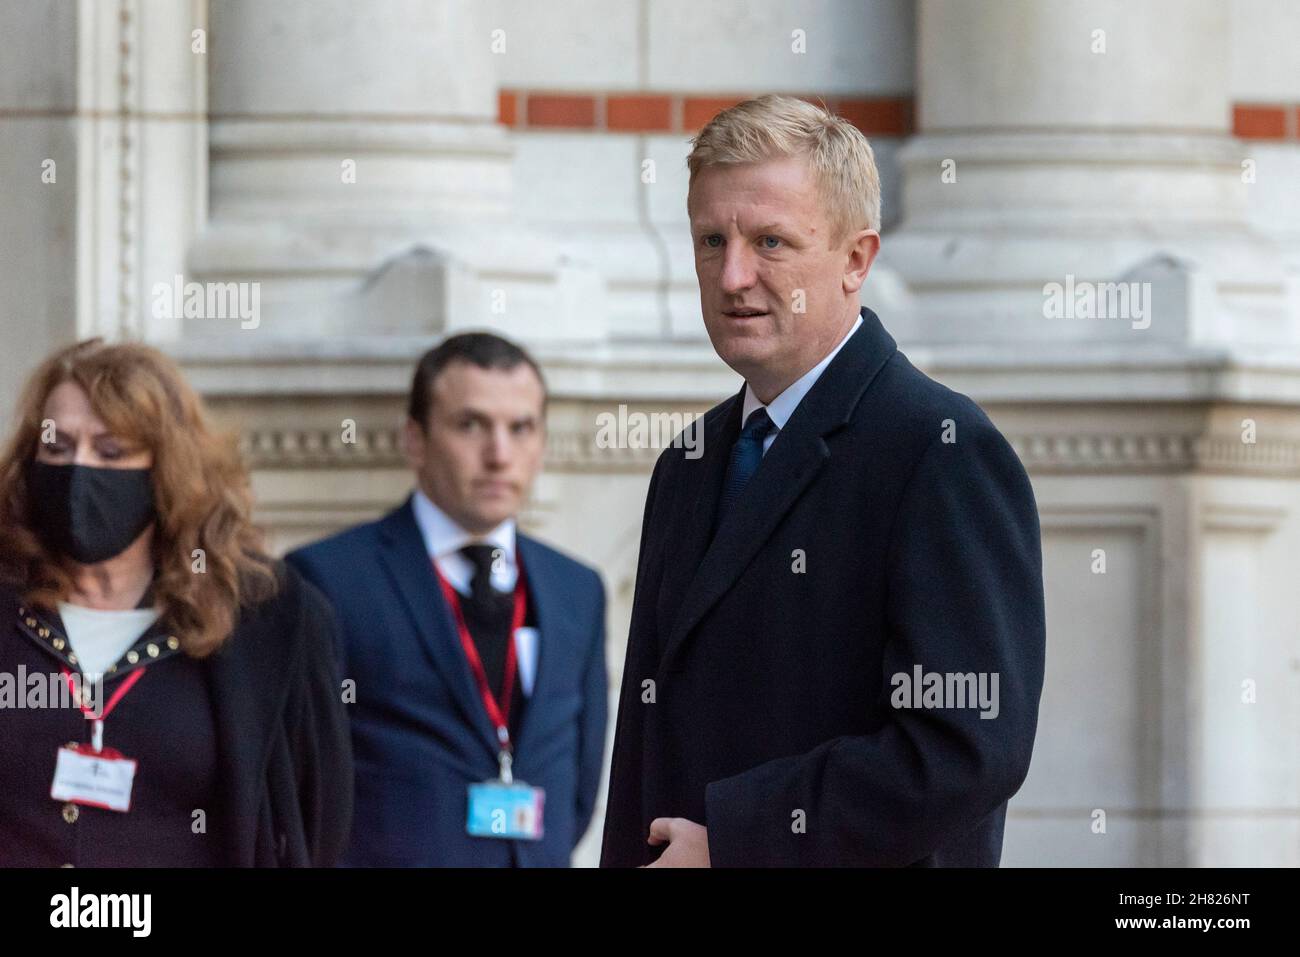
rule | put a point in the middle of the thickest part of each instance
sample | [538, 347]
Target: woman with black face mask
[168, 694]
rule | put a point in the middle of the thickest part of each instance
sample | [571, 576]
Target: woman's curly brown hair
[200, 486]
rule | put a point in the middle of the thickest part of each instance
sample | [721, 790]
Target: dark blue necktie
[746, 455]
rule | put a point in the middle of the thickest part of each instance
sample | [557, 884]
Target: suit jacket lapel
[790, 465]
[545, 592]
[794, 459]
[408, 564]
[705, 476]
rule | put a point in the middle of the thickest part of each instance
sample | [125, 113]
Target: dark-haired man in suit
[477, 652]
[837, 639]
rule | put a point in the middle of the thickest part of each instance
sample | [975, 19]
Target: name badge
[511, 811]
[95, 778]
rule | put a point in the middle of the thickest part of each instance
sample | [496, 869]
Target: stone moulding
[570, 450]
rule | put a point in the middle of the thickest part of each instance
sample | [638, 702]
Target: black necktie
[746, 455]
[487, 614]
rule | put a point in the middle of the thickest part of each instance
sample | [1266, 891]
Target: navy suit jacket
[420, 733]
[889, 526]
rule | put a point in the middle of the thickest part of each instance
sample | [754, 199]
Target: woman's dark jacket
[283, 748]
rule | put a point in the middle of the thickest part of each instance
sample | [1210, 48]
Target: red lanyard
[97, 730]
[498, 712]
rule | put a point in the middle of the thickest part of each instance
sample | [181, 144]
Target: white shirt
[100, 637]
[443, 540]
[782, 407]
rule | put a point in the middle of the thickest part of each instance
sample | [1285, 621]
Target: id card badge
[513, 811]
[102, 779]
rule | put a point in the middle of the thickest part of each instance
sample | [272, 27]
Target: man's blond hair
[774, 127]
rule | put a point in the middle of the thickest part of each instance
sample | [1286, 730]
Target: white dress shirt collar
[444, 538]
[782, 407]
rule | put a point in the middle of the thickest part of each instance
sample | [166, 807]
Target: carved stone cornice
[1156, 452]
[577, 450]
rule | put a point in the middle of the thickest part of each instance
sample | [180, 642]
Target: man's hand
[688, 842]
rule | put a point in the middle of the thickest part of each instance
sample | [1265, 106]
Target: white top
[782, 407]
[99, 637]
[443, 540]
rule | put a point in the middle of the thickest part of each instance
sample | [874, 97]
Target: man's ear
[866, 245]
[413, 441]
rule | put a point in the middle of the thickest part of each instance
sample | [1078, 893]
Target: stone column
[360, 177]
[1070, 150]
[38, 170]
[103, 163]
[1086, 140]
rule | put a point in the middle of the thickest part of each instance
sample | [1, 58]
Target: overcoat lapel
[792, 463]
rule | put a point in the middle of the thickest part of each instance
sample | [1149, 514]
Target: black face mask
[89, 514]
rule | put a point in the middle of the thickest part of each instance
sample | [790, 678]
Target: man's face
[481, 448]
[776, 295]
